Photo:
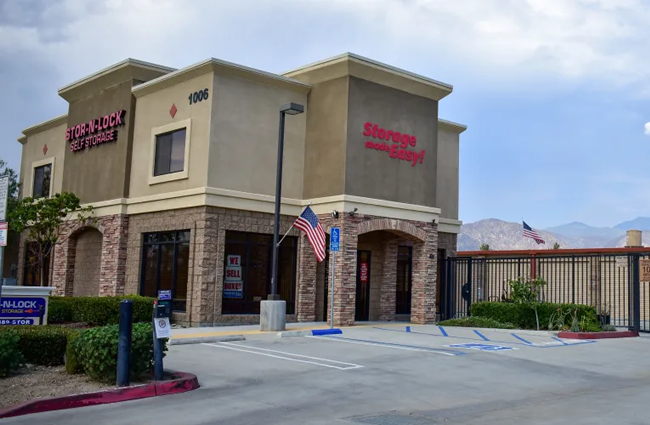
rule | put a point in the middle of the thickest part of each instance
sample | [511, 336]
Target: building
[180, 167]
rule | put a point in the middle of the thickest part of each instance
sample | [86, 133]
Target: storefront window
[165, 265]
[403, 287]
[247, 272]
[42, 175]
[170, 152]
[32, 270]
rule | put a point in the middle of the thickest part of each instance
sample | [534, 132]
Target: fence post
[124, 343]
[573, 280]
[469, 285]
[636, 295]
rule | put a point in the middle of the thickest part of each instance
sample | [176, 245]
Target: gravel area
[33, 382]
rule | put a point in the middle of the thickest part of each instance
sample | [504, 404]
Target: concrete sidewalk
[216, 331]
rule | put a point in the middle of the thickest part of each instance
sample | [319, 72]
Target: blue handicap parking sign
[482, 347]
[335, 238]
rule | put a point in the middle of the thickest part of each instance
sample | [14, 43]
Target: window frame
[41, 163]
[165, 129]
[248, 243]
[143, 262]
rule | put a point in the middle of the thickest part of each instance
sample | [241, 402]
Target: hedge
[96, 351]
[97, 311]
[11, 359]
[476, 322]
[41, 345]
[523, 317]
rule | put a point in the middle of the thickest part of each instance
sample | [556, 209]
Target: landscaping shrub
[10, 356]
[71, 363]
[522, 316]
[476, 322]
[97, 311]
[96, 351]
[41, 345]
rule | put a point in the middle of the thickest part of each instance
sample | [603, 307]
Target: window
[32, 266]
[403, 286]
[165, 265]
[247, 272]
[170, 153]
[42, 178]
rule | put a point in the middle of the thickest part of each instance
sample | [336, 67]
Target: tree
[484, 247]
[43, 218]
[556, 245]
[528, 292]
[12, 193]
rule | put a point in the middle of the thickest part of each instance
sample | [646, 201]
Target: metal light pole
[273, 311]
[288, 109]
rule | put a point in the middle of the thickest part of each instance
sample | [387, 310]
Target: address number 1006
[198, 96]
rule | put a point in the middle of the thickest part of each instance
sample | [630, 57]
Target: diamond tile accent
[44, 149]
[173, 111]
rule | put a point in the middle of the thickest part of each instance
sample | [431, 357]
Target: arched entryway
[87, 262]
[366, 271]
[385, 269]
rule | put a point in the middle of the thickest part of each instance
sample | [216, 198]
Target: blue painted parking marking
[521, 339]
[481, 347]
[483, 337]
[557, 343]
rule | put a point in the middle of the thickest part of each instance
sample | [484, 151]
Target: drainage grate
[392, 419]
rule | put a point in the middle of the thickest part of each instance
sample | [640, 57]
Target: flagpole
[290, 227]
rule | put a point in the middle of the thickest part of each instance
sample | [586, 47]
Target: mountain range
[504, 235]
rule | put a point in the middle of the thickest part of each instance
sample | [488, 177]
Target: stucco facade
[180, 168]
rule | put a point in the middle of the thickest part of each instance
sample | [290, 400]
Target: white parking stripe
[287, 356]
[379, 344]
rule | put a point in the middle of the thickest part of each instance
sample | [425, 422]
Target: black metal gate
[609, 282]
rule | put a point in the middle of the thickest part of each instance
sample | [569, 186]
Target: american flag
[530, 233]
[308, 223]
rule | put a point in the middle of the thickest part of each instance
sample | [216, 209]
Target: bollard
[124, 344]
[157, 348]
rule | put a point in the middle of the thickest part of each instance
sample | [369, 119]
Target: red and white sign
[364, 272]
[4, 227]
[233, 285]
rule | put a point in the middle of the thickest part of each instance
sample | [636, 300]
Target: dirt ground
[33, 382]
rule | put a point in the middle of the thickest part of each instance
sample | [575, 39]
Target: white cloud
[498, 42]
[647, 129]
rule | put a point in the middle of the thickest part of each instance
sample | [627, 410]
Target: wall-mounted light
[335, 214]
[351, 213]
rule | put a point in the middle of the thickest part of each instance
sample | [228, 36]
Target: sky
[555, 93]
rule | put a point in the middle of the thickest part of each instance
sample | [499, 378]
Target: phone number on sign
[16, 322]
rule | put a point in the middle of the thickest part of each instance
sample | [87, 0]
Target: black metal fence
[609, 282]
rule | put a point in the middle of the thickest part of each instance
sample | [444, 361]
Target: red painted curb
[597, 335]
[181, 383]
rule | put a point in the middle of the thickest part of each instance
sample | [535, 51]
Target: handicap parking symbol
[482, 347]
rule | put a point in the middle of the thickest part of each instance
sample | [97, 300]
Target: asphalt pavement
[391, 374]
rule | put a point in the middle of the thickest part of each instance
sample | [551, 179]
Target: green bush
[523, 317]
[476, 322]
[11, 359]
[41, 345]
[96, 351]
[71, 362]
[97, 311]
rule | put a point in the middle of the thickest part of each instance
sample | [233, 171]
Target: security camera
[335, 214]
[351, 213]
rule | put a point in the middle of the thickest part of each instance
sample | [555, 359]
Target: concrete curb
[206, 339]
[598, 335]
[181, 383]
[313, 332]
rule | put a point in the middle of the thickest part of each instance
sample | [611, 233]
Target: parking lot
[394, 374]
